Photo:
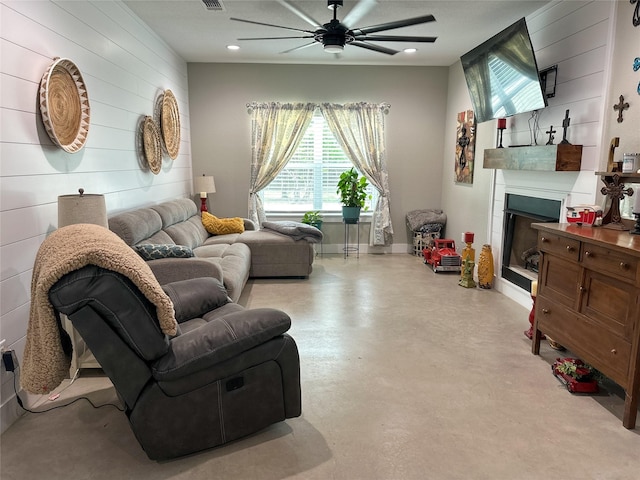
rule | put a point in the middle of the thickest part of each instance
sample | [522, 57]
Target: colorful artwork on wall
[465, 147]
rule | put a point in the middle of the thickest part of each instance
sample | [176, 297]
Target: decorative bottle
[468, 252]
[485, 267]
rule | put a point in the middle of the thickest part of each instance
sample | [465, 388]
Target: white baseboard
[10, 412]
[338, 248]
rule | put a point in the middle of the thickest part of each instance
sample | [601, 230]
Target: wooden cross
[565, 126]
[616, 191]
[551, 131]
[621, 107]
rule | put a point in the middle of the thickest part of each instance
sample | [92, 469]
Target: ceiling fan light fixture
[334, 48]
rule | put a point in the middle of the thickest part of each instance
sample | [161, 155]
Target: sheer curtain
[359, 128]
[276, 132]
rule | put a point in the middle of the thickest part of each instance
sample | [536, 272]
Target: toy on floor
[576, 375]
[442, 256]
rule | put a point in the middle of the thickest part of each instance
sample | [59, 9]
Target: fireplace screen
[520, 253]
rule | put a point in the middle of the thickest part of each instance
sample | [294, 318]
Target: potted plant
[313, 218]
[353, 194]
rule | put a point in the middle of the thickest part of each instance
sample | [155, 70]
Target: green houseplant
[313, 218]
[352, 189]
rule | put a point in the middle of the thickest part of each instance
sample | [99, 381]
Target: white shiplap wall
[577, 36]
[126, 67]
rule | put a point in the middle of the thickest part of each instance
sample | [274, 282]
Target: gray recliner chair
[229, 371]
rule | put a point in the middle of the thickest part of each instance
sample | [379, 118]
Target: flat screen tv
[502, 75]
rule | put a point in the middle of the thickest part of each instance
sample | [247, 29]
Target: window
[309, 181]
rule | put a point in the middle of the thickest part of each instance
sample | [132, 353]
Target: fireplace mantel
[546, 158]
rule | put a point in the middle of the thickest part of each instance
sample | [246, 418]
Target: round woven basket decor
[170, 124]
[152, 144]
[64, 105]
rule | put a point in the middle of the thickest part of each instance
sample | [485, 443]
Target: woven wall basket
[152, 144]
[64, 105]
[170, 124]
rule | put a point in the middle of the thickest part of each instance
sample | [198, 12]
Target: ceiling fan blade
[310, 20]
[358, 11]
[301, 47]
[275, 38]
[394, 38]
[375, 48]
[391, 25]
[269, 25]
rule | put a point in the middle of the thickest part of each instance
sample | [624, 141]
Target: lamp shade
[205, 184]
[82, 208]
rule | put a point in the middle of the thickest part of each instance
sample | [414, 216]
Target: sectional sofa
[231, 258]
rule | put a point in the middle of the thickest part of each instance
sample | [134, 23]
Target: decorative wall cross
[551, 131]
[621, 107]
[565, 126]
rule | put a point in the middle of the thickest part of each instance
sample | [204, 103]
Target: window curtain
[276, 132]
[359, 128]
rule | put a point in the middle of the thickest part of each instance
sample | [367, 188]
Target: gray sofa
[231, 258]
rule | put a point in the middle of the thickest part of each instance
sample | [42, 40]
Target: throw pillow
[150, 251]
[222, 226]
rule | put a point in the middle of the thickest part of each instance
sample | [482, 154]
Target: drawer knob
[624, 266]
[614, 351]
[569, 248]
[581, 288]
[545, 311]
[543, 239]
[587, 253]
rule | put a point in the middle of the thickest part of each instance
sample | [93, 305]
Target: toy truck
[442, 256]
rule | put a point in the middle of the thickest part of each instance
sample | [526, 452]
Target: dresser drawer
[564, 247]
[594, 344]
[600, 258]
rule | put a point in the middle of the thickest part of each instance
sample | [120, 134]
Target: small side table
[347, 247]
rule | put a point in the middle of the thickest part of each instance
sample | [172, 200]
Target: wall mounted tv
[502, 75]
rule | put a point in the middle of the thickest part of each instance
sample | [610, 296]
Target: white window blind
[309, 181]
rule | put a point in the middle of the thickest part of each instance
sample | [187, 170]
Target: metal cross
[565, 126]
[551, 131]
[621, 107]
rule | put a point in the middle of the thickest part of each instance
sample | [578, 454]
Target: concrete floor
[405, 375]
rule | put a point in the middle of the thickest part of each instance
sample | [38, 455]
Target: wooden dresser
[588, 301]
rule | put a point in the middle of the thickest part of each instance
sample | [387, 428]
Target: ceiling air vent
[215, 5]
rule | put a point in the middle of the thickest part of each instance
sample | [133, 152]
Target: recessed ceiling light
[233, 47]
[410, 50]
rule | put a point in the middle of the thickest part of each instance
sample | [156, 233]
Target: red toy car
[442, 256]
[581, 381]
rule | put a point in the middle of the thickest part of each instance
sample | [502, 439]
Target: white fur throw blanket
[70, 248]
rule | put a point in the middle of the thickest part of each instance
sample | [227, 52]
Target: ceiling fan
[334, 35]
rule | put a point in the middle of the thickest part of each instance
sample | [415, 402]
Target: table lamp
[82, 208]
[204, 184]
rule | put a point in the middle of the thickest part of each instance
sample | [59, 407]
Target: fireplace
[519, 249]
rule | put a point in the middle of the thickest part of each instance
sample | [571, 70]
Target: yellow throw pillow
[222, 226]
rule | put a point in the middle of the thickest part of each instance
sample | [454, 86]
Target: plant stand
[351, 248]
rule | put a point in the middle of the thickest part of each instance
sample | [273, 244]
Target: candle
[534, 288]
[203, 194]
[502, 123]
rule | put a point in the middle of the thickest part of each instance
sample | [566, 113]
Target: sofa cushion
[222, 226]
[175, 211]
[189, 232]
[153, 251]
[138, 225]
